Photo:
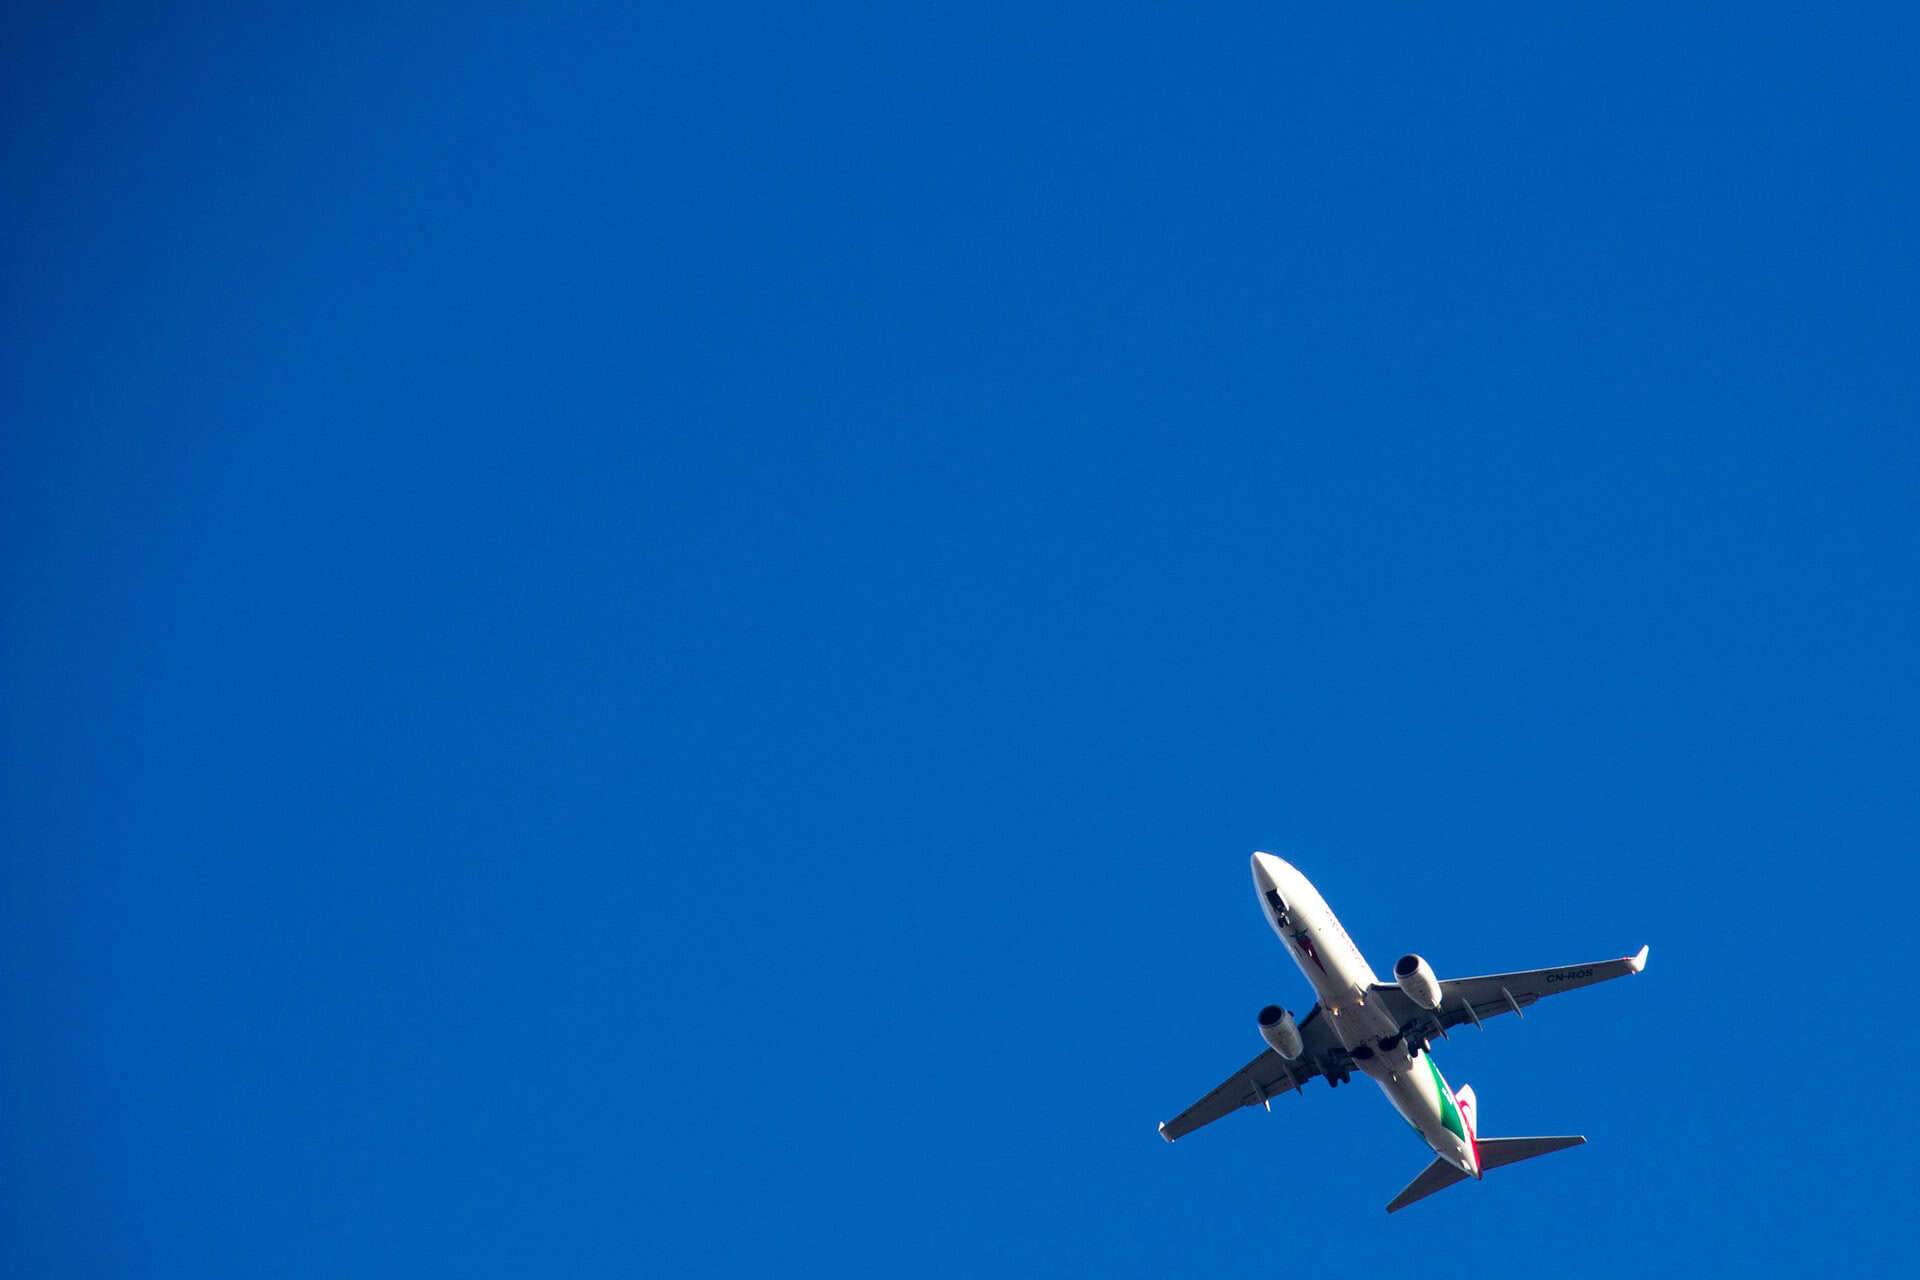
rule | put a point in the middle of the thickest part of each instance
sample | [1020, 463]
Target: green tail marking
[1449, 1114]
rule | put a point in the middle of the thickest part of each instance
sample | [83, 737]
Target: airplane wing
[1268, 1075]
[1472, 999]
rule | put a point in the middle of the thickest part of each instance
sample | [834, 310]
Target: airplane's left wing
[1267, 1076]
[1471, 999]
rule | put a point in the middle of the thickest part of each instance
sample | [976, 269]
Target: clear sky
[648, 641]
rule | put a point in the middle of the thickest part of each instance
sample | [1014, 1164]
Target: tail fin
[1495, 1152]
[1469, 1108]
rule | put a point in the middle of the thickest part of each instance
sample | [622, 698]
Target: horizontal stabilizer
[1437, 1176]
[1496, 1152]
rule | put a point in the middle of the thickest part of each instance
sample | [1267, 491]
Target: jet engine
[1415, 977]
[1278, 1030]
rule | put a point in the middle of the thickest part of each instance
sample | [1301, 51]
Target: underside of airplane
[1383, 1030]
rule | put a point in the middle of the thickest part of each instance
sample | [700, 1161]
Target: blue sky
[653, 642]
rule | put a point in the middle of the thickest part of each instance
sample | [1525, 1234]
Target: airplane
[1383, 1028]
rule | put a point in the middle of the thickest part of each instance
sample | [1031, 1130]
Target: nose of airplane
[1270, 876]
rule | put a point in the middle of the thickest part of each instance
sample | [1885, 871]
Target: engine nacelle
[1278, 1030]
[1415, 977]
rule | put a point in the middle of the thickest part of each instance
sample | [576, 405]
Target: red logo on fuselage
[1305, 942]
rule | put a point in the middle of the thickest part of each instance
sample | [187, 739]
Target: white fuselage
[1343, 979]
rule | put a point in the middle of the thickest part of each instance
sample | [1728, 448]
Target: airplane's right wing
[1267, 1076]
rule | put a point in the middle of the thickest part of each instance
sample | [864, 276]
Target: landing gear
[1416, 1045]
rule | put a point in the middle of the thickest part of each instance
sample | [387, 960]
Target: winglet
[1163, 1130]
[1638, 962]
